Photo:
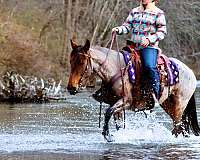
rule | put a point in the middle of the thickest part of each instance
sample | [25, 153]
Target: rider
[148, 26]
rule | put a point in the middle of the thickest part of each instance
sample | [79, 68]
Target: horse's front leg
[108, 114]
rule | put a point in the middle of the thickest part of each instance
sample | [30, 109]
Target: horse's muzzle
[72, 90]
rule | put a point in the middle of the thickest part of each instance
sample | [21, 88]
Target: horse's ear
[87, 45]
[73, 44]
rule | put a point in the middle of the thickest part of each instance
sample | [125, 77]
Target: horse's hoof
[175, 133]
[180, 129]
[185, 134]
[109, 138]
[118, 127]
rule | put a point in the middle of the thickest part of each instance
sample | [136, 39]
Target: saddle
[168, 76]
[168, 70]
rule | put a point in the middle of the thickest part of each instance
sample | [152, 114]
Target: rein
[122, 77]
[114, 37]
[121, 74]
[100, 107]
[86, 68]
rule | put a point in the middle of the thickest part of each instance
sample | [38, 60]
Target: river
[69, 130]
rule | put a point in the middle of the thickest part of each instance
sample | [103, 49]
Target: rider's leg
[151, 74]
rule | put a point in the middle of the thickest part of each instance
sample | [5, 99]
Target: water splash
[139, 131]
[72, 127]
[142, 130]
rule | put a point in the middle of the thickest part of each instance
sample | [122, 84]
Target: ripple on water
[137, 133]
[72, 127]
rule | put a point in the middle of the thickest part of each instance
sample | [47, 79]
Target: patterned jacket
[145, 24]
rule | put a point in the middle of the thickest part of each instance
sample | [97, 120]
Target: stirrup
[98, 95]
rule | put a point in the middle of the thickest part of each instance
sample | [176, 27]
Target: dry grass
[20, 52]
[35, 44]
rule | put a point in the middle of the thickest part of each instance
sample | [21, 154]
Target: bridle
[88, 65]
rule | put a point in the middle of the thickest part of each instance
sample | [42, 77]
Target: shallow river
[69, 130]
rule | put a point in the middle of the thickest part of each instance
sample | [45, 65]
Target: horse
[177, 101]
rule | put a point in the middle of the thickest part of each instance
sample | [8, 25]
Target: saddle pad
[173, 72]
[131, 69]
[172, 69]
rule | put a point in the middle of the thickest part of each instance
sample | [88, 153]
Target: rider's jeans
[150, 71]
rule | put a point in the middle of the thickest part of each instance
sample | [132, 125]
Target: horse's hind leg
[117, 118]
[173, 107]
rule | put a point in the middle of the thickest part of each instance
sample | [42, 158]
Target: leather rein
[113, 79]
[101, 65]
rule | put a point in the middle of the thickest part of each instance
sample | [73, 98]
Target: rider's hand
[115, 30]
[145, 42]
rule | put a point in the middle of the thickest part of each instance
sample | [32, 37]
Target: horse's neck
[107, 63]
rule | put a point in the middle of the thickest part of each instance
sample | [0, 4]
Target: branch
[110, 20]
[99, 21]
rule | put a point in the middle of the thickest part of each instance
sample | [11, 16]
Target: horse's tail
[190, 117]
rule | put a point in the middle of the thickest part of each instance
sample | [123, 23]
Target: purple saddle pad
[172, 67]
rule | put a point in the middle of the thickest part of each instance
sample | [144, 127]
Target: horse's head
[80, 66]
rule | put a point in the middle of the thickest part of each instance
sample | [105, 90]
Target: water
[69, 130]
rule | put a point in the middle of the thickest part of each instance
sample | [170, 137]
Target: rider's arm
[161, 29]
[127, 25]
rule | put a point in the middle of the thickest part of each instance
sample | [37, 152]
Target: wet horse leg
[172, 106]
[109, 112]
[117, 116]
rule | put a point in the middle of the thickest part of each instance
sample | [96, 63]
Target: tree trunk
[67, 30]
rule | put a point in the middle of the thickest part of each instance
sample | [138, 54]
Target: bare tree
[63, 20]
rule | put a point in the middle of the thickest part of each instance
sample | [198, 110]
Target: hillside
[35, 34]
[21, 51]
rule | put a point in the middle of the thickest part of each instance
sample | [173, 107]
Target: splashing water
[72, 127]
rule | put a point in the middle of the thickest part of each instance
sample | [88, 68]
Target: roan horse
[177, 101]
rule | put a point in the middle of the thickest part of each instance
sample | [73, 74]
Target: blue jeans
[150, 72]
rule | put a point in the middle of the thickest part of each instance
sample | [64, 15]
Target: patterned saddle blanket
[169, 72]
